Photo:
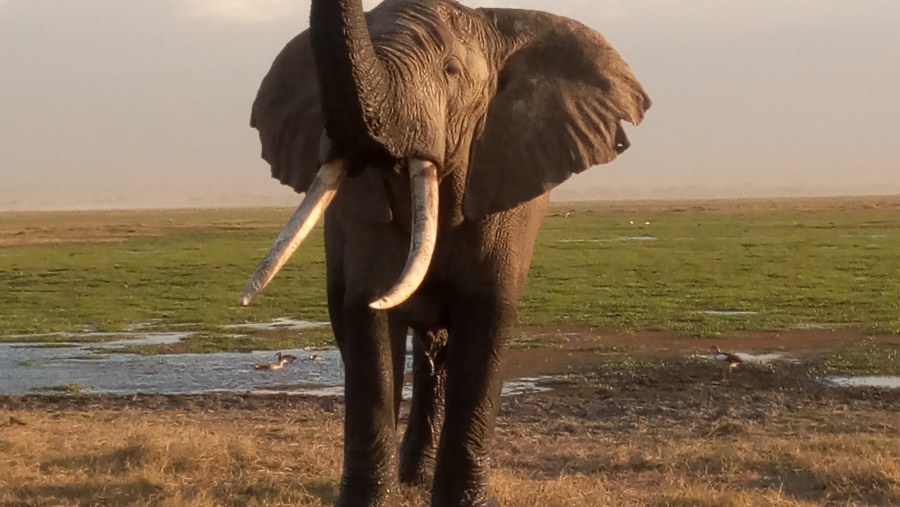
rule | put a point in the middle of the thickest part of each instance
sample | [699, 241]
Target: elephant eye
[452, 69]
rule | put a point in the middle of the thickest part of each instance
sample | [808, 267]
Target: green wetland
[698, 268]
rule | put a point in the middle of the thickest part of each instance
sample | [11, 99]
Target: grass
[70, 388]
[662, 437]
[867, 360]
[789, 264]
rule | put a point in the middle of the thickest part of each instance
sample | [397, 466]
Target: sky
[146, 103]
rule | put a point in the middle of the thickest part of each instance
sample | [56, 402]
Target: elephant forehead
[428, 27]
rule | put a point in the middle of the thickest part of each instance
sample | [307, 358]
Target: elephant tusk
[424, 185]
[318, 197]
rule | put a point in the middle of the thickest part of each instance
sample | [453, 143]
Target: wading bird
[725, 360]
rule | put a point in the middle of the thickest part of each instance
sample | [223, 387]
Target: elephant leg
[369, 424]
[419, 446]
[398, 329]
[478, 328]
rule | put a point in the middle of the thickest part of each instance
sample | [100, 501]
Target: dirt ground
[659, 429]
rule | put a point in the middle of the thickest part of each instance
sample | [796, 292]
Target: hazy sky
[120, 103]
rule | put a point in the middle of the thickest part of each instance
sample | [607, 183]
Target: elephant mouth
[622, 142]
[424, 186]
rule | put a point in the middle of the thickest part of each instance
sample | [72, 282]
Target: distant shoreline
[558, 202]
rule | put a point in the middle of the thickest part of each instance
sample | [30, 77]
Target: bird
[725, 360]
[271, 366]
[315, 357]
[287, 357]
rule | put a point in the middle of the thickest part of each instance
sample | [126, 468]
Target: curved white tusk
[424, 185]
[318, 197]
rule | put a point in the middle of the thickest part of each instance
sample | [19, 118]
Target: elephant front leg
[418, 450]
[477, 336]
[369, 425]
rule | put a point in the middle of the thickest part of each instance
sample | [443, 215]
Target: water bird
[287, 357]
[270, 366]
[725, 360]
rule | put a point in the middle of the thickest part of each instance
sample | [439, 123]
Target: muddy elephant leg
[419, 446]
[369, 425]
[478, 329]
[398, 328]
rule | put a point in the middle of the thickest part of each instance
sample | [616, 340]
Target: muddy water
[878, 381]
[37, 368]
[78, 367]
[27, 368]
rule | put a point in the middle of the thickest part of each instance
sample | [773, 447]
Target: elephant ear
[288, 116]
[561, 95]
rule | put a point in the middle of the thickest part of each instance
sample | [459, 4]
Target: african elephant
[429, 135]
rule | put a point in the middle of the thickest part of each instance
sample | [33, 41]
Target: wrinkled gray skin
[507, 104]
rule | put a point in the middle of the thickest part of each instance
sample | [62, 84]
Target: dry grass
[648, 440]
[144, 457]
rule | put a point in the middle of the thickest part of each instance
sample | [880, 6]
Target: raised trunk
[352, 80]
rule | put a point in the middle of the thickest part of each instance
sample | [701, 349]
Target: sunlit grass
[781, 264]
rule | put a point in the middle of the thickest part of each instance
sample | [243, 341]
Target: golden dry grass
[644, 439]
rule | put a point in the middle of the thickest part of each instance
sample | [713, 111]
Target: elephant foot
[471, 498]
[366, 496]
[485, 502]
[417, 467]
[363, 499]
[417, 477]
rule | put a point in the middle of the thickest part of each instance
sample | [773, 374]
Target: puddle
[728, 313]
[29, 370]
[610, 240]
[280, 324]
[766, 358]
[526, 385]
[143, 326]
[879, 381]
[83, 340]
[822, 325]
[147, 339]
[510, 388]
[33, 368]
[50, 345]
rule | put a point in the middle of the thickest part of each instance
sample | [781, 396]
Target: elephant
[429, 134]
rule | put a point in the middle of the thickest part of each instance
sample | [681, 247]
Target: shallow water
[610, 240]
[879, 381]
[25, 368]
[766, 358]
[129, 338]
[41, 367]
[283, 323]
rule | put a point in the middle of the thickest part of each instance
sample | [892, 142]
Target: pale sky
[146, 103]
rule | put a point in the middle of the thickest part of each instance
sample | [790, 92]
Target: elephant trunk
[353, 81]
[424, 186]
[318, 197]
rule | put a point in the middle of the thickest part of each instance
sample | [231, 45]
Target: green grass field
[682, 266]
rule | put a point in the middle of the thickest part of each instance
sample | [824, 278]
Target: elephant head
[515, 100]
